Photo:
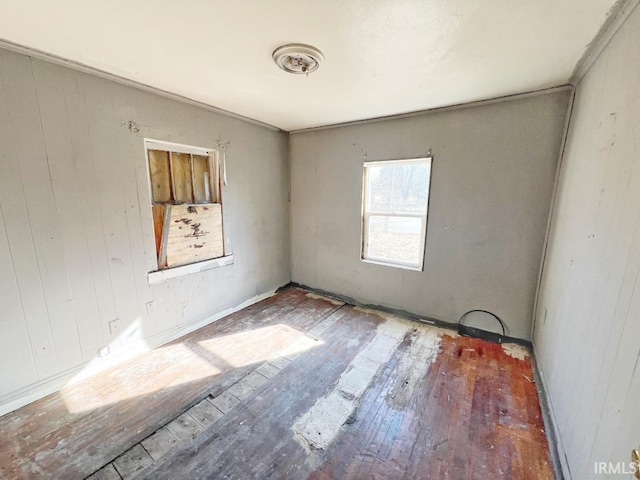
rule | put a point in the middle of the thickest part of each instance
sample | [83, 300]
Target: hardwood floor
[297, 386]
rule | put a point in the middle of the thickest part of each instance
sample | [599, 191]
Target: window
[186, 202]
[394, 212]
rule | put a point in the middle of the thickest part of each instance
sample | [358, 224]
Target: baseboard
[55, 383]
[393, 311]
[560, 467]
[410, 315]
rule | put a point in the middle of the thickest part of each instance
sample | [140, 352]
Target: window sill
[393, 265]
[161, 275]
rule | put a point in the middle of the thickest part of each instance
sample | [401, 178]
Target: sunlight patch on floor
[161, 368]
[260, 345]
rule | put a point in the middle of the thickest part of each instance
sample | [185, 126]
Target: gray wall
[587, 333]
[492, 181]
[76, 231]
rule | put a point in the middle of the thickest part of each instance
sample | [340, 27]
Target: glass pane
[395, 239]
[401, 188]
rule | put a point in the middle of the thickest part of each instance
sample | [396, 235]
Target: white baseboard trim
[55, 383]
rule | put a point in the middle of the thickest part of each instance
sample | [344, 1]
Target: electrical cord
[504, 328]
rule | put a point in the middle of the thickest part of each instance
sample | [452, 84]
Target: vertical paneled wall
[587, 332]
[76, 229]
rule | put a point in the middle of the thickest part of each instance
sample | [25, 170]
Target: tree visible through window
[394, 213]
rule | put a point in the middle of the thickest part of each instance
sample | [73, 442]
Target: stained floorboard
[295, 387]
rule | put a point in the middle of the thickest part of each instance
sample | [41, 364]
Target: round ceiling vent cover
[298, 58]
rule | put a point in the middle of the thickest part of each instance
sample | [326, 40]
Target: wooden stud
[181, 174]
[200, 168]
[214, 168]
[162, 252]
[160, 176]
[159, 213]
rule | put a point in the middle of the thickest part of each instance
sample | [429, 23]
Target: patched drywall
[76, 229]
[588, 316]
[492, 180]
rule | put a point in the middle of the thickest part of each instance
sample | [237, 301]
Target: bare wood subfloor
[297, 386]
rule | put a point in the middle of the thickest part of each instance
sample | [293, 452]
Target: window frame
[160, 274]
[366, 214]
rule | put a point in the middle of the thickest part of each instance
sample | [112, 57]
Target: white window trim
[158, 276]
[151, 144]
[366, 215]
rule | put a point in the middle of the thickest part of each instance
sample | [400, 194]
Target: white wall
[492, 181]
[587, 335]
[76, 231]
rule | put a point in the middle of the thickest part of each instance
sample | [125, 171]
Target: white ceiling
[382, 57]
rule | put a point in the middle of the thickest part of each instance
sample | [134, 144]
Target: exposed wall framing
[186, 202]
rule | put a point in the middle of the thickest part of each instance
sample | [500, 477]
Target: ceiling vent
[298, 58]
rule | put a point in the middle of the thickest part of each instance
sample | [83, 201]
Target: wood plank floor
[297, 386]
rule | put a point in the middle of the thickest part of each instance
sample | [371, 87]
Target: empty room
[341, 239]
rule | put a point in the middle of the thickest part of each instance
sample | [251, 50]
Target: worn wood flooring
[295, 387]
